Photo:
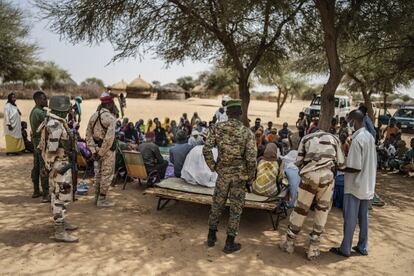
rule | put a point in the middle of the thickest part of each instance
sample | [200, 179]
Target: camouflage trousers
[60, 189]
[319, 185]
[232, 188]
[104, 172]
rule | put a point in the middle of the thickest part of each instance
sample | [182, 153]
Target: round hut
[200, 91]
[138, 88]
[119, 87]
[172, 91]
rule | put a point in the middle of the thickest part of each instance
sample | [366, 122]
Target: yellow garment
[268, 173]
[14, 144]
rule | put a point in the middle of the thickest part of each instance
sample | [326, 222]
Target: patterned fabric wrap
[268, 173]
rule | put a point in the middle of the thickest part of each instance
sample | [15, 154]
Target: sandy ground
[134, 238]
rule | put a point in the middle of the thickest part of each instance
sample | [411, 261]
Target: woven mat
[179, 184]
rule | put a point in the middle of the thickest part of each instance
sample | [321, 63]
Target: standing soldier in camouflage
[235, 166]
[37, 116]
[100, 138]
[55, 147]
[318, 155]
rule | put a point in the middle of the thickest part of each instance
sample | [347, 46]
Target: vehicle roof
[407, 107]
[341, 97]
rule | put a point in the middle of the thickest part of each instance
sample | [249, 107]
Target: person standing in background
[37, 116]
[13, 127]
[359, 188]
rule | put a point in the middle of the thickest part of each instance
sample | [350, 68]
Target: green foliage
[51, 74]
[308, 94]
[93, 81]
[15, 53]
[219, 80]
[156, 83]
[186, 82]
[405, 98]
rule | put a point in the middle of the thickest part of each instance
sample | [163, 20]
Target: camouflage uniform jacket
[54, 141]
[319, 150]
[236, 149]
[101, 127]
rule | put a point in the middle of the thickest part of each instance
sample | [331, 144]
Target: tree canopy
[15, 53]
[239, 33]
[186, 82]
[93, 81]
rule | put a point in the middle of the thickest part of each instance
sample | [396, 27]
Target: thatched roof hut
[118, 88]
[138, 88]
[172, 91]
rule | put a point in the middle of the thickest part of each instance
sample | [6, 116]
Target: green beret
[233, 103]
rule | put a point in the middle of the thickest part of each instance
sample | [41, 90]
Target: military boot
[45, 193]
[69, 227]
[36, 194]
[231, 246]
[211, 238]
[103, 202]
[46, 198]
[313, 251]
[96, 194]
[288, 246]
[62, 236]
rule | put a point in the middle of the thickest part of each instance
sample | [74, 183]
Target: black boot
[231, 246]
[212, 238]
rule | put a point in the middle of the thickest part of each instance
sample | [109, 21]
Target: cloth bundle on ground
[195, 170]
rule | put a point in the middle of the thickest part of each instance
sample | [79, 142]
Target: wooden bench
[276, 209]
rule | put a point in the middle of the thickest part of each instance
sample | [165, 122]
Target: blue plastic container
[338, 195]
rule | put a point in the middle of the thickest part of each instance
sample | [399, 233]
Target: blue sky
[82, 61]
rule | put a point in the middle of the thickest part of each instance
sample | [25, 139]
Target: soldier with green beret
[235, 166]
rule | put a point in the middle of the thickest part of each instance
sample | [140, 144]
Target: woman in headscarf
[131, 134]
[272, 137]
[150, 126]
[166, 124]
[268, 173]
[13, 127]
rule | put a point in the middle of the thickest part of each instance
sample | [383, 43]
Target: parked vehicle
[404, 115]
[342, 107]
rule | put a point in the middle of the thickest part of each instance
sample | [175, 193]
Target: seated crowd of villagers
[276, 156]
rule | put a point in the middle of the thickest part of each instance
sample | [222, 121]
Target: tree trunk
[326, 10]
[385, 103]
[244, 96]
[368, 103]
[278, 102]
[291, 98]
[281, 102]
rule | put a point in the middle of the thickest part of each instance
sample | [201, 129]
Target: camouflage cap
[233, 103]
[59, 103]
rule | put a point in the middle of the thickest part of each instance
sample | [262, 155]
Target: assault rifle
[73, 162]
